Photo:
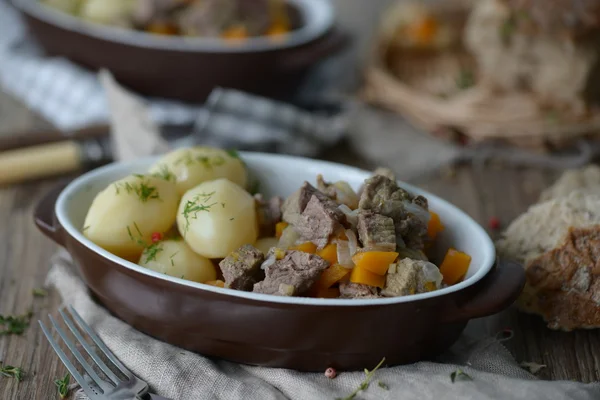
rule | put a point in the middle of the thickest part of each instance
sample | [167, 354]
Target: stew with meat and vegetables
[191, 217]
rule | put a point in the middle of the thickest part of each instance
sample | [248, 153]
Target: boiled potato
[123, 216]
[108, 12]
[217, 217]
[194, 165]
[175, 258]
[68, 6]
[265, 244]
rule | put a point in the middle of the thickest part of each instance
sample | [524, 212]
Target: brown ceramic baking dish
[301, 333]
[189, 68]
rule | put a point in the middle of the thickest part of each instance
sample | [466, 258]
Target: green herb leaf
[459, 374]
[63, 385]
[143, 189]
[39, 292]
[383, 385]
[14, 325]
[85, 228]
[364, 385]
[254, 187]
[151, 251]
[196, 205]
[11, 372]
[165, 173]
[233, 153]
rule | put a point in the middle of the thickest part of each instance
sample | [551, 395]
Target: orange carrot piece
[329, 253]
[435, 225]
[332, 275]
[366, 277]
[218, 283]
[308, 247]
[455, 266]
[279, 227]
[376, 262]
[236, 32]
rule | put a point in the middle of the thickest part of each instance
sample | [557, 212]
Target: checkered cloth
[65, 94]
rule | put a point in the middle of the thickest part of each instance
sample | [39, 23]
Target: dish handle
[44, 215]
[331, 43]
[495, 292]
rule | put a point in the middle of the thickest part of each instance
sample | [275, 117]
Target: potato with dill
[217, 217]
[123, 217]
[191, 166]
[176, 258]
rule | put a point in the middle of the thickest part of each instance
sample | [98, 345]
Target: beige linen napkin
[179, 374]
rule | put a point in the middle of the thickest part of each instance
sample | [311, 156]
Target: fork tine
[88, 368]
[63, 357]
[107, 371]
[99, 342]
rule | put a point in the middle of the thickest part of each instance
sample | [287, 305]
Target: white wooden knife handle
[40, 162]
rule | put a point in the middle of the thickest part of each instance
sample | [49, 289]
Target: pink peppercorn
[494, 223]
[156, 237]
[330, 373]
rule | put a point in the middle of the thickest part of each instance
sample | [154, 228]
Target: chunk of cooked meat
[350, 290]
[388, 173]
[294, 205]
[319, 220]
[563, 285]
[241, 269]
[383, 196]
[149, 11]
[297, 269]
[410, 277]
[268, 213]
[207, 17]
[340, 191]
[376, 231]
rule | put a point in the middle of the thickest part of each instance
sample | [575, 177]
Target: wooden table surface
[25, 253]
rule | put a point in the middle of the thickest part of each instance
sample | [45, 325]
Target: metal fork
[95, 387]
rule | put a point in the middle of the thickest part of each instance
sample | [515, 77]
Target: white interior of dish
[282, 175]
[317, 17]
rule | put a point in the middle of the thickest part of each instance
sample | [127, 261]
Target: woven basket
[422, 86]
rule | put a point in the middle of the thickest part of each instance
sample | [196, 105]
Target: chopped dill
[254, 187]
[223, 205]
[85, 228]
[233, 153]
[151, 251]
[364, 385]
[143, 189]
[164, 173]
[231, 219]
[196, 205]
[383, 385]
[171, 258]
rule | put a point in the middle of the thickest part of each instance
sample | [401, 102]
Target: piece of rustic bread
[584, 179]
[558, 243]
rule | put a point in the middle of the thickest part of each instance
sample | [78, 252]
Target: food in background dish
[329, 241]
[228, 19]
[547, 48]
[557, 242]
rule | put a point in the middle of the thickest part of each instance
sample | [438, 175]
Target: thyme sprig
[11, 372]
[63, 385]
[39, 292]
[198, 204]
[14, 325]
[364, 385]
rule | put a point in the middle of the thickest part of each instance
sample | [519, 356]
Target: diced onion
[352, 241]
[431, 273]
[417, 211]
[268, 262]
[343, 254]
[392, 269]
[351, 215]
[345, 194]
[288, 238]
